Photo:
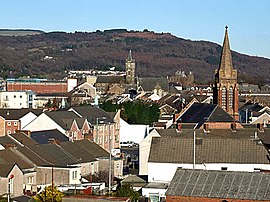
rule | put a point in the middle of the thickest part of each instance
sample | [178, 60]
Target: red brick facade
[43, 87]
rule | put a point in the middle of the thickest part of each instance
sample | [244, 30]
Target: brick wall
[38, 87]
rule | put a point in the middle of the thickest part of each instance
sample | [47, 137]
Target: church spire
[129, 58]
[226, 56]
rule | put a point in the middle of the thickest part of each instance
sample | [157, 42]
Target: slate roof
[220, 184]
[203, 112]
[16, 114]
[9, 156]
[251, 107]
[43, 137]
[5, 169]
[216, 147]
[92, 113]
[149, 83]
[62, 118]
[110, 79]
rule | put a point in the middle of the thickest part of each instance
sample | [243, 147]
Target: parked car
[127, 144]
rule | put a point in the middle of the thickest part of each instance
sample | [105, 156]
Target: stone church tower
[130, 69]
[225, 89]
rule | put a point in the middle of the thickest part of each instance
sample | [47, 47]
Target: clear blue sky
[248, 20]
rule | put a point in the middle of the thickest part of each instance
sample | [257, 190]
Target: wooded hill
[156, 54]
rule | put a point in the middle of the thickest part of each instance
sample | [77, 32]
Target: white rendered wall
[26, 119]
[43, 122]
[144, 150]
[165, 171]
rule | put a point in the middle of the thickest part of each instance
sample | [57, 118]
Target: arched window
[223, 98]
[230, 98]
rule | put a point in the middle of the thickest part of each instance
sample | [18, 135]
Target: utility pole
[110, 160]
[194, 149]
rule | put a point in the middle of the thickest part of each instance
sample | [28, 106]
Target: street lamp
[9, 185]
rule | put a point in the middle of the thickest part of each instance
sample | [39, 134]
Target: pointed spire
[226, 56]
[129, 58]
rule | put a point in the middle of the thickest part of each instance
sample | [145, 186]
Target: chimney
[233, 126]
[206, 127]
[179, 127]
[260, 126]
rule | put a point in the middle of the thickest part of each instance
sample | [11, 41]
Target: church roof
[110, 79]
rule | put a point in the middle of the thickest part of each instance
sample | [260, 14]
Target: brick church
[225, 89]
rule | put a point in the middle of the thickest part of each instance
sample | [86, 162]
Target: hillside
[19, 32]
[156, 54]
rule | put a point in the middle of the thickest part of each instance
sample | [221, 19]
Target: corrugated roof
[220, 184]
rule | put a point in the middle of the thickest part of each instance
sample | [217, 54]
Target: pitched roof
[43, 137]
[92, 113]
[5, 169]
[214, 148]
[16, 114]
[203, 112]
[149, 83]
[220, 184]
[62, 117]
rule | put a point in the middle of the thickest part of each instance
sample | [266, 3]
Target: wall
[165, 171]
[26, 119]
[17, 182]
[2, 127]
[43, 122]
[144, 150]
[44, 87]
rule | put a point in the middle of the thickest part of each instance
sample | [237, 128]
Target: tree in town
[49, 194]
[126, 190]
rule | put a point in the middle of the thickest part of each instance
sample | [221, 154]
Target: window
[231, 98]
[14, 96]
[9, 123]
[74, 174]
[8, 132]
[20, 96]
[224, 168]
[223, 98]
[15, 123]
[30, 180]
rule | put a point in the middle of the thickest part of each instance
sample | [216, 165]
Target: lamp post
[9, 185]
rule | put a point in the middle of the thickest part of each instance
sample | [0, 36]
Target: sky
[248, 20]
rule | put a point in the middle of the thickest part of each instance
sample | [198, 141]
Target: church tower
[225, 89]
[130, 69]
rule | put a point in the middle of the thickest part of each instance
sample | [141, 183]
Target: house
[105, 129]
[219, 149]
[65, 163]
[216, 186]
[67, 122]
[17, 99]
[11, 180]
[12, 120]
[48, 136]
[157, 86]
[247, 110]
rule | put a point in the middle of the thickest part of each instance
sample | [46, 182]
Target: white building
[17, 99]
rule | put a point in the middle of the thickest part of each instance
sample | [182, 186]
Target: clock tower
[225, 89]
[130, 69]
